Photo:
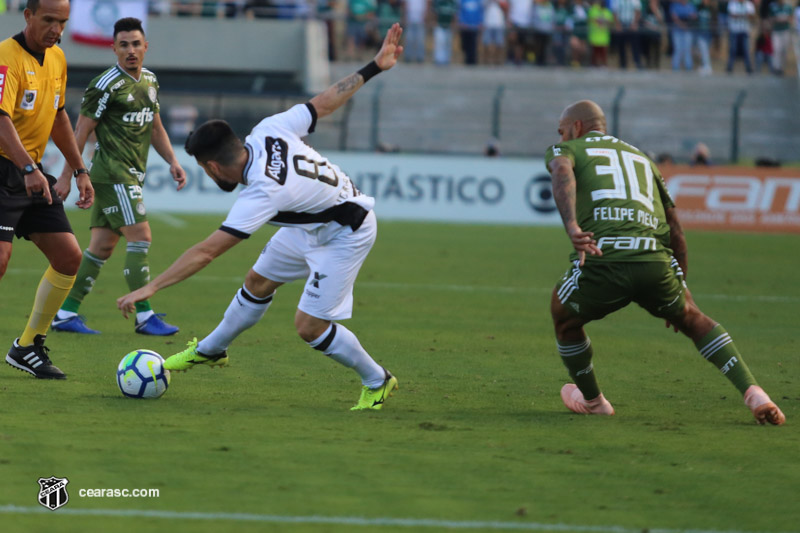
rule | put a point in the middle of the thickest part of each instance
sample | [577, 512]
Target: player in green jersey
[121, 107]
[628, 247]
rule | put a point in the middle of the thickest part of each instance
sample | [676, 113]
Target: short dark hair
[33, 5]
[214, 140]
[128, 24]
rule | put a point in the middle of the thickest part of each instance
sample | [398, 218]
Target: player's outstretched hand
[126, 303]
[85, 191]
[583, 243]
[391, 48]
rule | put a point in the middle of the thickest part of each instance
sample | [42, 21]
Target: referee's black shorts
[22, 215]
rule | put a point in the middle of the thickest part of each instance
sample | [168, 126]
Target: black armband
[372, 69]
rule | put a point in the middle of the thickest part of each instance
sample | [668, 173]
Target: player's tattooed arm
[564, 190]
[336, 95]
[564, 193]
[677, 240]
[349, 83]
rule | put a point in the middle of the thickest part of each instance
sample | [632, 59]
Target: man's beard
[226, 186]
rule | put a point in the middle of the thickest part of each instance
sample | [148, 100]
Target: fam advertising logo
[731, 198]
[53, 492]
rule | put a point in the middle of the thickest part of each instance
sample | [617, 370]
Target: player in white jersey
[328, 230]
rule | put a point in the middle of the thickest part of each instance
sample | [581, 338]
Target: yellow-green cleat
[190, 357]
[374, 398]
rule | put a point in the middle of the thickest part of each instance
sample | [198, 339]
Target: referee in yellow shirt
[33, 79]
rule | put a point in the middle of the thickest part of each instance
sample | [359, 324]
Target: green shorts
[117, 205]
[599, 288]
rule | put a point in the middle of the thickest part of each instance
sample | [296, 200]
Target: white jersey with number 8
[288, 183]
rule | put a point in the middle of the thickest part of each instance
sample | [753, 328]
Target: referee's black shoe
[33, 359]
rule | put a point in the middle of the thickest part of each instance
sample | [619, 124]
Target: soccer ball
[141, 374]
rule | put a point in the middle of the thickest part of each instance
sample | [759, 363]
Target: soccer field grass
[475, 439]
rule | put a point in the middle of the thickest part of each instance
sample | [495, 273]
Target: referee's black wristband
[372, 69]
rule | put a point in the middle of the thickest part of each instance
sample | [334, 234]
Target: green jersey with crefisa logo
[124, 109]
[620, 197]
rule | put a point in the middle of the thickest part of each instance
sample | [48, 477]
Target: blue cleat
[73, 324]
[155, 326]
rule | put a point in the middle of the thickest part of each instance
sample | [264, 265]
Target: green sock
[577, 357]
[718, 348]
[88, 272]
[137, 270]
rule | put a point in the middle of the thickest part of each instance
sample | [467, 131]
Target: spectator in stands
[492, 147]
[763, 47]
[232, 9]
[186, 8]
[290, 9]
[326, 13]
[627, 15]
[797, 36]
[665, 6]
[470, 20]
[563, 26]
[259, 9]
[543, 25]
[651, 28]
[683, 15]
[414, 14]
[494, 31]
[701, 155]
[579, 42]
[780, 16]
[600, 20]
[702, 36]
[445, 12]
[520, 13]
[158, 7]
[767, 162]
[389, 12]
[721, 25]
[740, 13]
[665, 158]
[361, 19]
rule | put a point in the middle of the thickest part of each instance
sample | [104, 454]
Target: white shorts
[330, 267]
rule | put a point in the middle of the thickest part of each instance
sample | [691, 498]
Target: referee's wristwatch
[79, 171]
[27, 169]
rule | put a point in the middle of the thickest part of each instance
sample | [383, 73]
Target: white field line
[169, 220]
[518, 290]
[347, 520]
[767, 298]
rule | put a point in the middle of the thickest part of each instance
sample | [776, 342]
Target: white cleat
[573, 398]
[762, 407]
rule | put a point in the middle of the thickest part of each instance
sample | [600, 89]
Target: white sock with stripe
[341, 345]
[244, 311]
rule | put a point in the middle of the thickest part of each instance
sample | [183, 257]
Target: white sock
[244, 311]
[341, 345]
[63, 315]
[142, 316]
